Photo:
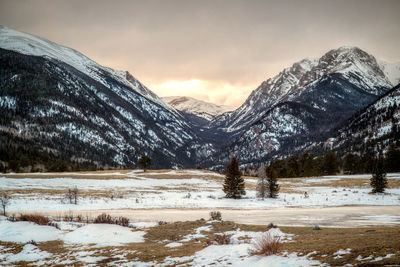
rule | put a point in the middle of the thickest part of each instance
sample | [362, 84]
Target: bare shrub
[123, 221]
[106, 218]
[72, 195]
[54, 225]
[216, 215]
[262, 184]
[4, 201]
[38, 219]
[79, 218]
[267, 244]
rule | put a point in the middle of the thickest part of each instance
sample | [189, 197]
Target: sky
[214, 50]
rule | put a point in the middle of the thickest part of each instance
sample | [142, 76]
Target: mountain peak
[196, 107]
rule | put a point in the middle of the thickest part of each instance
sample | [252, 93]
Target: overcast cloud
[216, 50]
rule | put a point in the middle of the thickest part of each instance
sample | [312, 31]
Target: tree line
[307, 164]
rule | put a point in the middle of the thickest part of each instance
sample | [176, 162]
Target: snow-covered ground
[198, 190]
[87, 241]
[180, 189]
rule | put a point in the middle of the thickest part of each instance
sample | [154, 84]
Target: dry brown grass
[290, 185]
[376, 241]
[35, 218]
[266, 244]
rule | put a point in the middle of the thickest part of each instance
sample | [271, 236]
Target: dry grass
[376, 241]
[35, 218]
[106, 218]
[267, 244]
[290, 185]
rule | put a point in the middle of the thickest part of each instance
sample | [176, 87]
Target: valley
[168, 213]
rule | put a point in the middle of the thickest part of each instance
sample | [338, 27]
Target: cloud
[230, 46]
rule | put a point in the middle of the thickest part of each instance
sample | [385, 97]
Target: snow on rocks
[103, 235]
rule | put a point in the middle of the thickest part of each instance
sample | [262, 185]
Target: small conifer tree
[144, 162]
[262, 184]
[234, 183]
[272, 180]
[379, 180]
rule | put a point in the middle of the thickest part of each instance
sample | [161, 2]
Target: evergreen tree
[306, 165]
[330, 164]
[379, 180]
[262, 184]
[293, 166]
[144, 162]
[234, 183]
[272, 181]
[349, 164]
[392, 157]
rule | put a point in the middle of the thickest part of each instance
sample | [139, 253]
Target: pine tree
[349, 164]
[144, 162]
[293, 166]
[262, 184]
[379, 180]
[272, 180]
[330, 164]
[234, 183]
[392, 158]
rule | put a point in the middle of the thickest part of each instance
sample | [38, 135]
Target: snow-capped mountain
[372, 128]
[308, 99]
[196, 107]
[28, 44]
[57, 101]
[391, 70]
[55, 98]
[353, 64]
[263, 98]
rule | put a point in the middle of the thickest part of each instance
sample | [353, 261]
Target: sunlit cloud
[219, 93]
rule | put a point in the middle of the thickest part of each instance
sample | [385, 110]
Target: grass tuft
[267, 244]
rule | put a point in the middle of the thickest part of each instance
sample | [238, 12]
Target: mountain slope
[28, 44]
[320, 97]
[372, 128]
[196, 107]
[355, 65]
[86, 112]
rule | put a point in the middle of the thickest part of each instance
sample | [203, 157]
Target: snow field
[182, 189]
[104, 235]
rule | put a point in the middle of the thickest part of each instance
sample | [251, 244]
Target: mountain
[55, 100]
[391, 70]
[306, 100]
[263, 98]
[199, 108]
[371, 129]
[58, 105]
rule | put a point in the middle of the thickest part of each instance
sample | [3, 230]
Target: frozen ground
[27, 244]
[191, 189]
[89, 243]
